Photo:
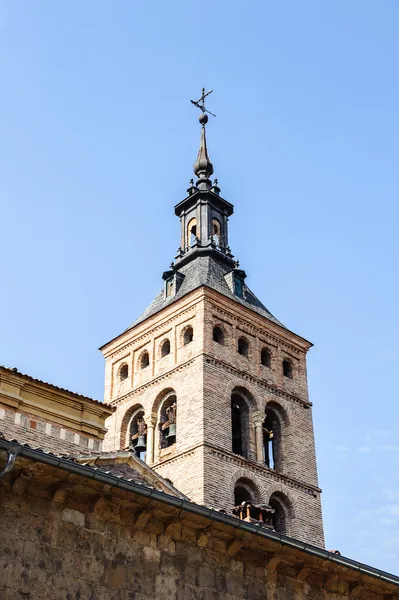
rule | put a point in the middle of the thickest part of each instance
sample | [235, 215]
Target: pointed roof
[125, 463]
[203, 168]
[210, 272]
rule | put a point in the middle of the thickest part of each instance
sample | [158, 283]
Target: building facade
[209, 387]
[58, 420]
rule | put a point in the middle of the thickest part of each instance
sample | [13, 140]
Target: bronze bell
[171, 431]
[141, 445]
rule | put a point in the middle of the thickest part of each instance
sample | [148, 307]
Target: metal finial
[215, 182]
[191, 181]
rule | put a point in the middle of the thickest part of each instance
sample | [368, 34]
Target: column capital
[257, 418]
[151, 420]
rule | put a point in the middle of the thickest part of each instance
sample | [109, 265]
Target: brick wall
[204, 375]
[37, 432]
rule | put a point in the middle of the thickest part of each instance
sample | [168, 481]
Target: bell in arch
[171, 431]
[141, 444]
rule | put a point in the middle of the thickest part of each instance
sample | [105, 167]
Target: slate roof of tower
[208, 271]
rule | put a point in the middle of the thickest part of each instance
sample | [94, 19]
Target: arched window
[165, 348]
[218, 335]
[167, 422]
[239, 425]
[192, 232]
[123, 372]
[241, 494]
[265, 357]
[144, 360]
[216, 232]
[242, 347]
[245, 491]
[272, 440]
[138, 434]
[287, 368]
[188, 335]
[282, 509]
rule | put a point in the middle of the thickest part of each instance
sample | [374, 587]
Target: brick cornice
[257, 468]
[256, 381]
[250, 465]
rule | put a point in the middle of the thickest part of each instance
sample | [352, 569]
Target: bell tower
[210, 388]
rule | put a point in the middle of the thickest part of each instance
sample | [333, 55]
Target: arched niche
[137, 433]
[124, 439]
[283, 512]
[245, 490]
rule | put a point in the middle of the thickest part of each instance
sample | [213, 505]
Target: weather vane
[200, 103]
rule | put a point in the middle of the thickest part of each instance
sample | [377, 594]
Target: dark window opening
[239, 425]
[193, 235]
[272, 440]
[188, 336]
[138, 435]
[169, 287]
[216, 232]
[238, 287]
[280, 513]
[242, 347]
[145, 360]
[167, 423]
[265, 357]
[287, 368]
[165, 348]
[241, 494]
[218, 335]
[268, 443]
[124, 372]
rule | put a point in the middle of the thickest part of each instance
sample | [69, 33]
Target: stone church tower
[209, 387]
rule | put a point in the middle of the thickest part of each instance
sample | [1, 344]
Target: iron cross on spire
[200, 103]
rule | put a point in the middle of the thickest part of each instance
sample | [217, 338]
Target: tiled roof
[130, 467]
[210, 272]
[122, 470]
[15, 371]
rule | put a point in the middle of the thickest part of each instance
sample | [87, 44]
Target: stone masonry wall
[79, 541]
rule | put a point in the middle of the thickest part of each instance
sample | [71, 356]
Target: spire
[203, 168]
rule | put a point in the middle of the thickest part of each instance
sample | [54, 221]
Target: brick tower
[209, 387]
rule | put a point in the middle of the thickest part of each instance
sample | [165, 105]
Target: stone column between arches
[258, 418]
[151, 422]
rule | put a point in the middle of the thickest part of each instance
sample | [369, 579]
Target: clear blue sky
[98, 138]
